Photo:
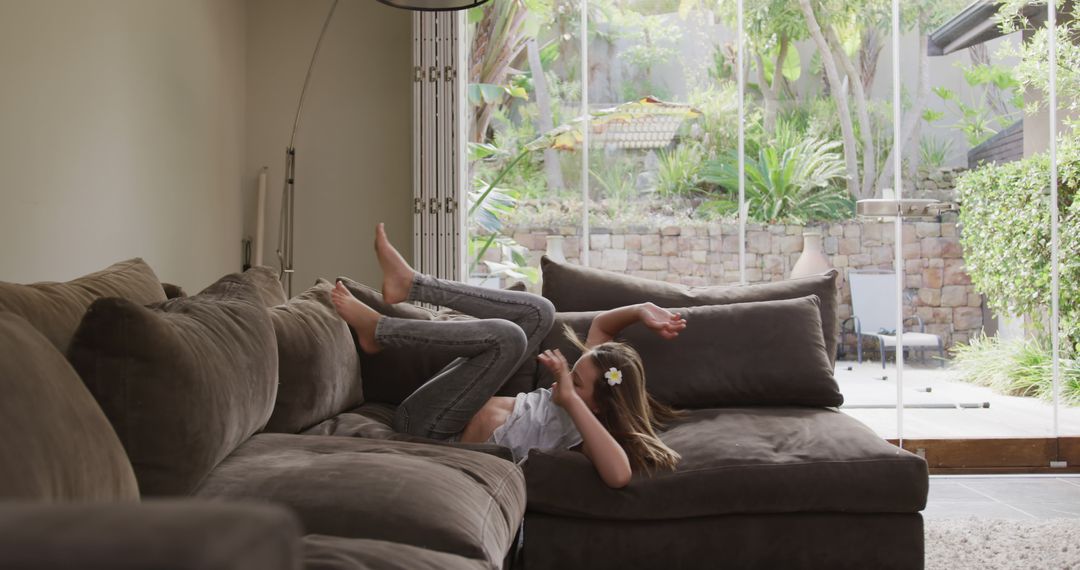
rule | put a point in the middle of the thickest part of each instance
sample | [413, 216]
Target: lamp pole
[288, 192]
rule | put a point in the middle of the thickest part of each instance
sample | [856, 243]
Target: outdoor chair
[873, 304]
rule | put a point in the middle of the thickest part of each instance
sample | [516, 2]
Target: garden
[659, 79]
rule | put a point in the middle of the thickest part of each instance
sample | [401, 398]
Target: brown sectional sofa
[169, 401]
[773, 475]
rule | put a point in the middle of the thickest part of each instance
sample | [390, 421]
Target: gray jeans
[508, 328]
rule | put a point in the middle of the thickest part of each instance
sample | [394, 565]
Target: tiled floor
[1003, 497]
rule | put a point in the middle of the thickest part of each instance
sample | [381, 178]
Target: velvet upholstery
[55, 309]
[795, 541]
[375, 421]
[57, 444]
[184, 382]
[743, 460]
[173, 535]
[573, 288]
[393, 374]
[323, 552]
[445, 499]
[768, 353]
[318, 370]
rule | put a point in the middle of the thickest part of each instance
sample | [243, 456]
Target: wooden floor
[1003, 497]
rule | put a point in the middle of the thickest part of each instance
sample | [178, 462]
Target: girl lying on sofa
[599, 402]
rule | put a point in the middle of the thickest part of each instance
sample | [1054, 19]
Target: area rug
[994, 544]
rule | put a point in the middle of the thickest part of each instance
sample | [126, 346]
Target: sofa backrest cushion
[55, 442]
[318, 369]
[55, 309]
[393, 374]
[572, 287]
[183, 382]
[742, 354]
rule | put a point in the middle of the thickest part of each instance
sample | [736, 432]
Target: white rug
[998, 544]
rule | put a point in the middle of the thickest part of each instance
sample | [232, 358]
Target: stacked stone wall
[937, 287]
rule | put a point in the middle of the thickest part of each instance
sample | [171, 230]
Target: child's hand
[562, 391]
[662, 321]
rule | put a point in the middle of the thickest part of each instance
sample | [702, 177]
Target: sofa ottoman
[772, 474]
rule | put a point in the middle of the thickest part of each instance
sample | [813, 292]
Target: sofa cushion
[318, 372]
[57, 443]
[393, 374]
[573, 287]
[55, 309]
[375, 421]
[438, 497]
[264, 280]
[743, 460]
[743, 354]
[183, 382]
[323, 552]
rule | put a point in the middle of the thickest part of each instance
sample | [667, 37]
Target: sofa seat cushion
[322, 552]
[743, 460]
[439, 497]
[375, 421]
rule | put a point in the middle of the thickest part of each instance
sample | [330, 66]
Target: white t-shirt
[536, 422]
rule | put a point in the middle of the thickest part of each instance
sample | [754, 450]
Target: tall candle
[260, 221]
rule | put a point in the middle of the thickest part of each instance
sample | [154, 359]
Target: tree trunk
[544, 122]
[869, 157]
[869, 50]
[839, 95]
[914, 115]
[769, 120]
[980, 55]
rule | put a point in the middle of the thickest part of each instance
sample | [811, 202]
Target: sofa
[772, 474]
[172, 424]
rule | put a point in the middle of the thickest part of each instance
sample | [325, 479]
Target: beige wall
[353, 149]
[121, 135]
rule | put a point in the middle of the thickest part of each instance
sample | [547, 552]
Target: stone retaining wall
[938, 288]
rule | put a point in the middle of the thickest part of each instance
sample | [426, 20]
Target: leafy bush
[933, 153]
[1005, 216]
[789, 181]
[1019, 367]
[680, 171]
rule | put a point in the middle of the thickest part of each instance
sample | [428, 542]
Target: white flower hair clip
[613, 376]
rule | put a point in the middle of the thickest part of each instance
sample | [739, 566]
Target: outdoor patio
[951, 409]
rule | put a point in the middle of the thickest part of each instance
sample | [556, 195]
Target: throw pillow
[318, 372]
[55, 309]
[768, 353]
[183, 382]
[573, 287]
[58, 445]
[393, 374]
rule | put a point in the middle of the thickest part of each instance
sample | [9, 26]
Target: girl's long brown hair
[627, 410]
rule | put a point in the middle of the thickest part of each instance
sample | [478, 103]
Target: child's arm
[607, 456]
[606, 325]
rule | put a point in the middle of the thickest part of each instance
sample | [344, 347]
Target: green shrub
[1005, 221]
[1019, 367]
[789, 181]
[680, 171]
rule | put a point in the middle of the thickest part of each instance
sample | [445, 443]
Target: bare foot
[359, 316]
[397, 274]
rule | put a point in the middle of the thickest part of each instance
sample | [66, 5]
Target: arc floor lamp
[288, 193]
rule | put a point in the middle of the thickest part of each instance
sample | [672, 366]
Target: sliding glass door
[712, 142]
